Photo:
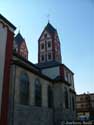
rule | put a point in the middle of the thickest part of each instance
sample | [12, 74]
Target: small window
[81, 98]
[45, 35]
[24, 89]
[50, 97]
[49, 56]
[38, 94]
[87, 97]
[67, 76]
[42, 46]
[66, 98]
[82, 105]
[42, 57]
[71, 78]
[49, 44]
[73, 104]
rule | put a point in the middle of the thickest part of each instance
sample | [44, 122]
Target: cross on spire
[48, 17]
[19, 29]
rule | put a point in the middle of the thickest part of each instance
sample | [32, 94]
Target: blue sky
[74, 21]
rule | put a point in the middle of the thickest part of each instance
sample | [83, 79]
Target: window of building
[66, 98]
[42, 58]
[73, 103]
[49, 44]
[70, 102]
[67, 75]
[49, 56]
[82, 105]
[50, 97]
[45, 35]
[87, 105]
[70, 78]
[24, 89]
[42, 45]
[81, 98]
[38, 94]
[87, 98]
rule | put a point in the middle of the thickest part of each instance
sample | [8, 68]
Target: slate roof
[48, 64]
[50, 29]
[51, 64]
[19, 39]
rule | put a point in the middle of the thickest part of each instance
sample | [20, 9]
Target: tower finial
[48, 17]
[19, 30]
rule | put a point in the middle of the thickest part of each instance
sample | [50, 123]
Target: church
[34, 94]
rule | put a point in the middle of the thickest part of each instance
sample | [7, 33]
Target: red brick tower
[49, 45]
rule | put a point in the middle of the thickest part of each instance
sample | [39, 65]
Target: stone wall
[32, 77]
[31, 115]
[60, 112]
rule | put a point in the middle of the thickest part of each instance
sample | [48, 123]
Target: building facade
[85, 106]
[6, 45]
[37, 94]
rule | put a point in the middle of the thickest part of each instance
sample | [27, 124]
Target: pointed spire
[19, 39]
[50, 28]
[54, 44]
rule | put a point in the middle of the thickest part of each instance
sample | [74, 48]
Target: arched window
[66, 97]
[38, 94]
[24, 89]
[73, 103]
[50, 97]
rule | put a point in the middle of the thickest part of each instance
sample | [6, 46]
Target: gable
[43, 35]
[49, 29]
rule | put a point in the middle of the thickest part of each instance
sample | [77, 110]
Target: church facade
[34, 94]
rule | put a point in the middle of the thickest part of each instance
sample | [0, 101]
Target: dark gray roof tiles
[19, 39]
[48, 64]
[50, 28]
[51, 64]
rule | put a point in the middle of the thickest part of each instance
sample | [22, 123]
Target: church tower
[20, 46]
[49, 46]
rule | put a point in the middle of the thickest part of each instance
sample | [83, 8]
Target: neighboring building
[85, 106]
[36, 94]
